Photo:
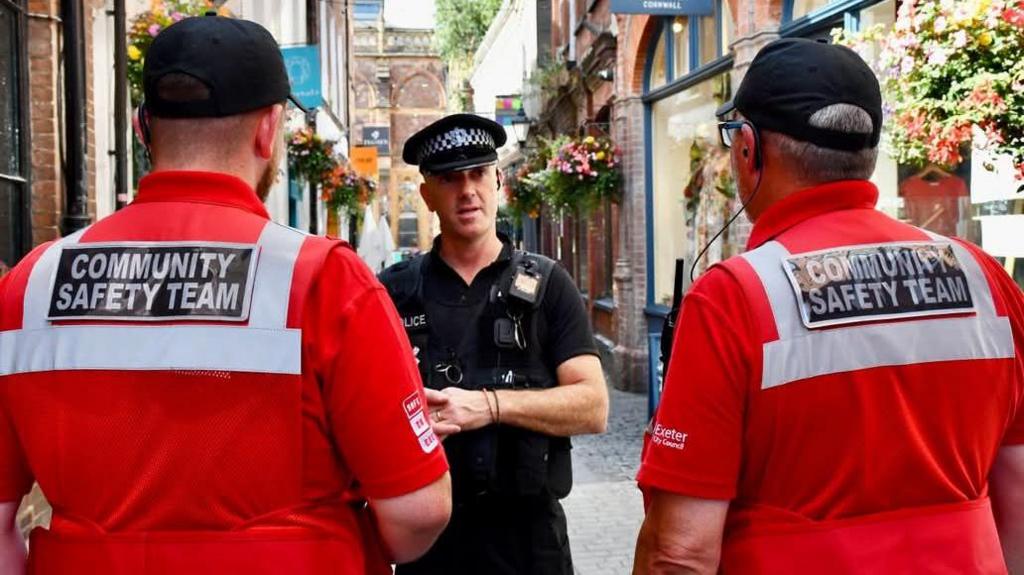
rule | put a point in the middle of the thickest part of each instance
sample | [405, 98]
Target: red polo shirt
[193, 450]
[830, 446]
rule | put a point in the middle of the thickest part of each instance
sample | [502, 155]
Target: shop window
[726, 27]
[691, 180]
[715, 33]
[659, 65]
[13, 182]
[367, 10]
[408, 217]
[795, 9]
[680, 47]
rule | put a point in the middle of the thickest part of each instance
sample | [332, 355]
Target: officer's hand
[468, 409]
[436, 402]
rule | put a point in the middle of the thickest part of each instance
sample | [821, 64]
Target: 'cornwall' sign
[664, 7]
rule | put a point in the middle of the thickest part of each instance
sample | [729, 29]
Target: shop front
[691, 66]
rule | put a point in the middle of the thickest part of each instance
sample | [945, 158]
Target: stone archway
[421, 90]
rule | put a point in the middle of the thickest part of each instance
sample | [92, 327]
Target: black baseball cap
[792, 78]
[238, 60]
[455, 143]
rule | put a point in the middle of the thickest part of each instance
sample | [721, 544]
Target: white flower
[960, 39]
[939, 57]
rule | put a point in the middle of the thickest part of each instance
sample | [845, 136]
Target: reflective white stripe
[767, 262]
[887, 344]
[185, 347]
[279, 248]
[37, 291]
[976, 280]
[800, 353]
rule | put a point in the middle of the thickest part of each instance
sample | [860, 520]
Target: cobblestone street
[605, 508]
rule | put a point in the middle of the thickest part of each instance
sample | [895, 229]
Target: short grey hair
[818, 165]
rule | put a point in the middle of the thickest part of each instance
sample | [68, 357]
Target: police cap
[454, 143]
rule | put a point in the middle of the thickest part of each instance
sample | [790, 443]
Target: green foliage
[461, 26]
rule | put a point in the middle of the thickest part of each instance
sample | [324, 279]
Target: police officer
[847, 395]
[506, 352]
[197, 389]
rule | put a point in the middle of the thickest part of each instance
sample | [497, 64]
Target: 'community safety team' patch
[145, 281]
[886, 281]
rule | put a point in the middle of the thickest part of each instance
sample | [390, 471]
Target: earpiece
[745, 152]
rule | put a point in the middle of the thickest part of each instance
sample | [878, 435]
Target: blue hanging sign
[664, 7]
[303, 65]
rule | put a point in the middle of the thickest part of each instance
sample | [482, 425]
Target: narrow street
[605, 509]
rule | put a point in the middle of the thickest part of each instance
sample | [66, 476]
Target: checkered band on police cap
[454, 139]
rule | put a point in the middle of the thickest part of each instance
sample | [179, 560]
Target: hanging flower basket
[952, 73]
[344, 190]
[582, 173]
[311, 158]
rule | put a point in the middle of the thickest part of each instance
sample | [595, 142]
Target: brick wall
[45, 97]
[43, 35]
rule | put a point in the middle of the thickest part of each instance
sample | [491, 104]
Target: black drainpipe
[313, 37]
[76, 187]
[120, 106]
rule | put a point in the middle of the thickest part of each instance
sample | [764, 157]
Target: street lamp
[521, 126]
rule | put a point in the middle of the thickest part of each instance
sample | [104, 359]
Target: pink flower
[153, 30]
[177, 16]
[1014, 16]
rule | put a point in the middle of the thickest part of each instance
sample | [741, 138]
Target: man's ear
[426, 196]
[750, 147]
[267, 131]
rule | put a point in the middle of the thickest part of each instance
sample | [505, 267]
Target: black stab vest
[496, 459]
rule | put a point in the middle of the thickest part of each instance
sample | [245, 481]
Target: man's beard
[269, 177]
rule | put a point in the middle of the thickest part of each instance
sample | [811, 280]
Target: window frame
[21, 213]
[845, 12]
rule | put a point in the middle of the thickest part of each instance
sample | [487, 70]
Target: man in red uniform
[196, 388]
[845, 397]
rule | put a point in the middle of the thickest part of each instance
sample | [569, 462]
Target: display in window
[937, 200]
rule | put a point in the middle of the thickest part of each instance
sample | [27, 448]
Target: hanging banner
[303, 65]
[664, 7]
[364, 161]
